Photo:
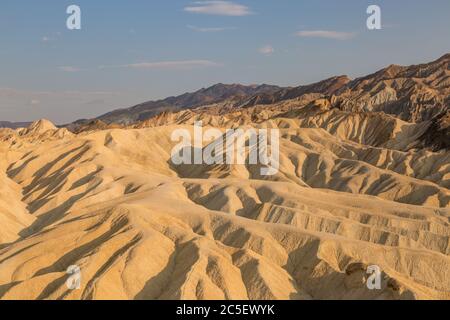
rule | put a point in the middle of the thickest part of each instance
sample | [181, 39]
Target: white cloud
[267, 50]
[174, 65]
[177, 65]
[218, 7]
[69, 69]
[38, 96]
[336, 35]
[198, 29]
[51, 38]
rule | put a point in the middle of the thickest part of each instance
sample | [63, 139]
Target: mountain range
[414, 93]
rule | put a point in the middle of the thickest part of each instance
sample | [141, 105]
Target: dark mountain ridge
[235, 93]
[14, 125]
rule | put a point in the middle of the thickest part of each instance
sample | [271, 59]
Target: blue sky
[128, 52]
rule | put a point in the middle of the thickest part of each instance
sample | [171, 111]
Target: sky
[128, 52]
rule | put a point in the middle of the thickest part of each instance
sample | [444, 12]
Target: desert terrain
[364, 180]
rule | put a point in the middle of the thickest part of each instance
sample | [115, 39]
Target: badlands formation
[364, 180]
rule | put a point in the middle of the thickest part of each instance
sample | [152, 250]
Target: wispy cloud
[174, 65]
[219, 29]
[267, 50]
[51, 38]
[69, 69]
[13, 93]
[326, 34]
[217, 7]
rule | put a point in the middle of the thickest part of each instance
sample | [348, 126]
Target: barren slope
[351, 192]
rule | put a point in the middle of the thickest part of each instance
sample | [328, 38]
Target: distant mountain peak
[41, 126]
[445, 57]
[392, 70]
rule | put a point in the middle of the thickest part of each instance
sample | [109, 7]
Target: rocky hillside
[416, 93]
